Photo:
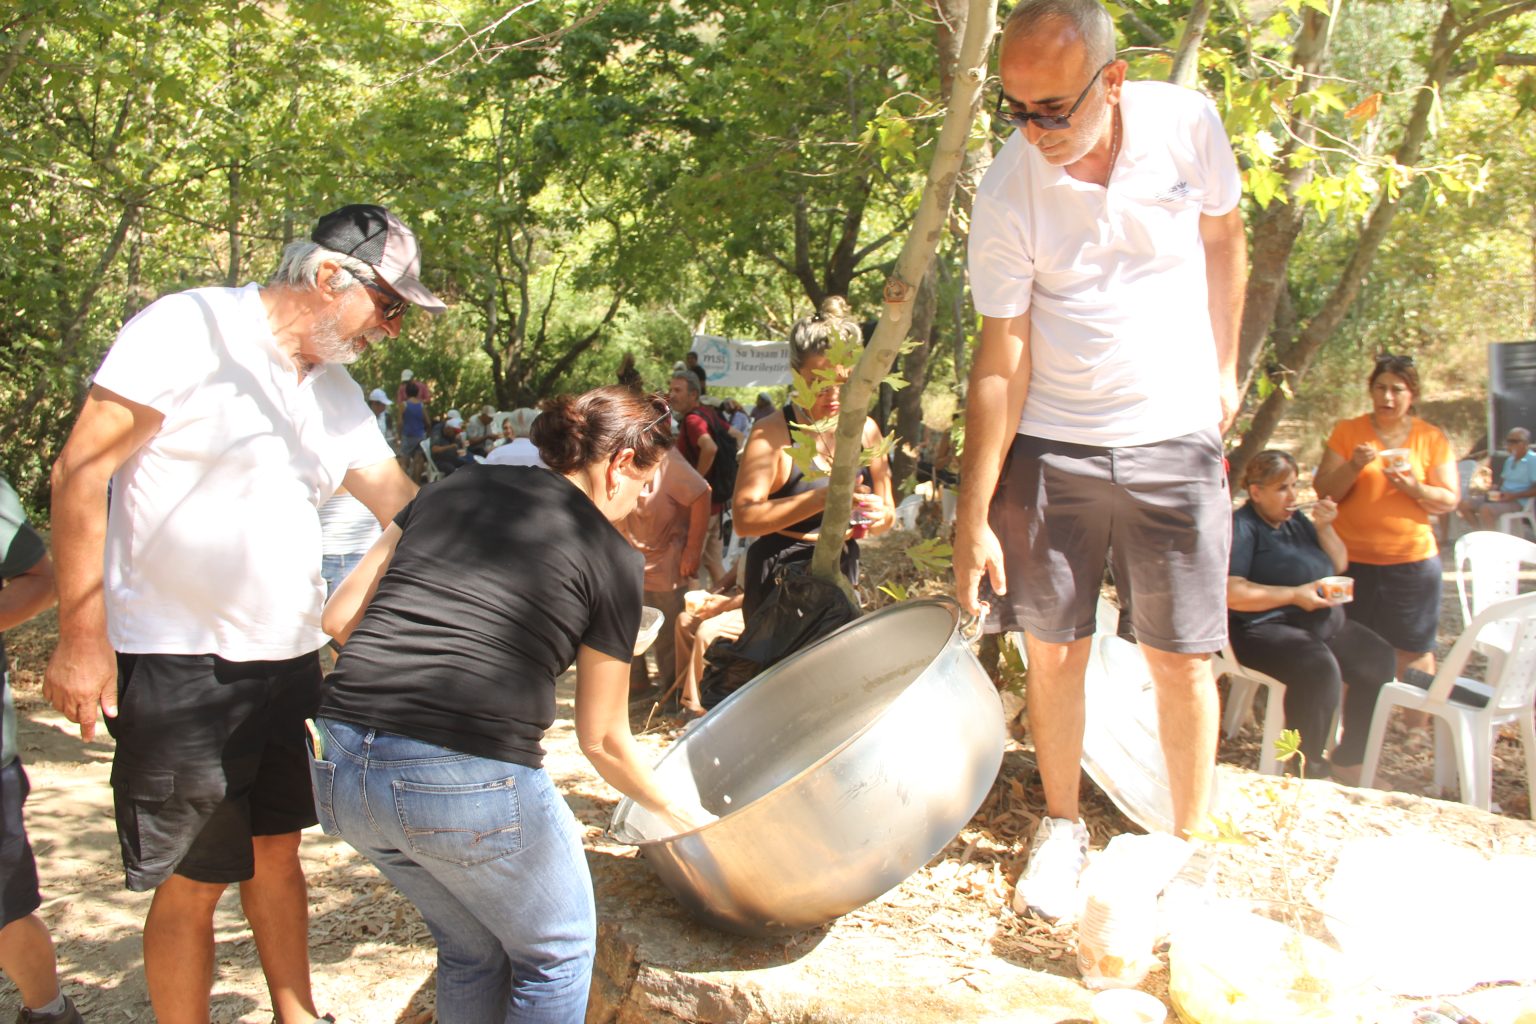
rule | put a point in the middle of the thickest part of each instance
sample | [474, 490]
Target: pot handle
[970, 625]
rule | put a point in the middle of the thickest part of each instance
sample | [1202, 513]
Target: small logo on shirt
[1180, 190]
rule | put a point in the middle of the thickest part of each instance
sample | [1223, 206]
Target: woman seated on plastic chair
[1283, 626]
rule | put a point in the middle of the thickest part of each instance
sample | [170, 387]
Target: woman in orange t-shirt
[1384, 511]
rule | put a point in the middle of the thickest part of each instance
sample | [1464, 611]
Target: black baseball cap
[378, 238]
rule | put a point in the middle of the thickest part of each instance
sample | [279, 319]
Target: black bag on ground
[722, 472]
[799, 611]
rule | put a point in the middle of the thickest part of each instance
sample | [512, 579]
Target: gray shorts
[1161, 512]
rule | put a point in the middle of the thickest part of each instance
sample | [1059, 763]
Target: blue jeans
[489, 853]
[335, 568]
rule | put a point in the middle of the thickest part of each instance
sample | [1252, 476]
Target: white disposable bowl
[650, 626]
[1395, 458]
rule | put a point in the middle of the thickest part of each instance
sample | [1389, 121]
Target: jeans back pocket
[463, 824]
[322, 776]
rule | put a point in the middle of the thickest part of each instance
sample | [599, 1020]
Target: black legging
[1313, 671]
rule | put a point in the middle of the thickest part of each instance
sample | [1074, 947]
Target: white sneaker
[1048, 887]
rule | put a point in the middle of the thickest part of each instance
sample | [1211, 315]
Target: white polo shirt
[1113, 279]
[213, 541]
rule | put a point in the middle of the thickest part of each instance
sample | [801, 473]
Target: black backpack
[722, 472]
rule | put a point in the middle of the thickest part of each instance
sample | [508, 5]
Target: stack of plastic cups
[1115, 936]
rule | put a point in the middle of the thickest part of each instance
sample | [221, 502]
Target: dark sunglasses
[1387, 357]
[1517, 440]
[1049, 122]
[394, 306]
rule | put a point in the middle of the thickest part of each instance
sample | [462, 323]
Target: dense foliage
[594, 177]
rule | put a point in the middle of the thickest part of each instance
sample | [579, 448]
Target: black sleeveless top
[798, 484]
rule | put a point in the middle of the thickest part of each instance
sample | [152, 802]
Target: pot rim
[621, 813]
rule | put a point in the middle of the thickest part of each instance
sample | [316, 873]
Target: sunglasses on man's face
[393, 306]
[1048, 122]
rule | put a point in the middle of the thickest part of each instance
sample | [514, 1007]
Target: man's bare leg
[178, 950]
[1188, 720]
[1053, 694]
[276, 903]
[26, 957]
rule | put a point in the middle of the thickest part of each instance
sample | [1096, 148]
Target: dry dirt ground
[373, 959]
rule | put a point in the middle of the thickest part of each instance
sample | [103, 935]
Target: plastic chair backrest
[1489, 563]
[1514, 688]
[1513, 680]
[431, 470]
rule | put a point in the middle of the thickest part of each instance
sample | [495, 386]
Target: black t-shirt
[501, 572]
[1278, 556]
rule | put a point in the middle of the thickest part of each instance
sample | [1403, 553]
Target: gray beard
[331, 347]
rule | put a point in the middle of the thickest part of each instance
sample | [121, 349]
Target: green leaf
[933, 555]
[1287, 745]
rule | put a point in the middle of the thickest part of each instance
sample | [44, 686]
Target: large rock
[941, 947]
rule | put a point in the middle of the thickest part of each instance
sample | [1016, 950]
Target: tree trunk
[901, 287]
[1186, 62]
[1320, 329]
[909, 400]
[13, 53]
[1275, 230]
[232, 227]
[978, 156]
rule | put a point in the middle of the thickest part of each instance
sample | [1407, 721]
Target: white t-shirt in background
[1113, 279]
[517, 452]
[213, 541]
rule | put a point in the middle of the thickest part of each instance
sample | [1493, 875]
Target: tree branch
[575, 349]
[901, 288]
[1488, 19]
[1503, 60]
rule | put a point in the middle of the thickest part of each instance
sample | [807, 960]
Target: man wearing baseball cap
[190, 617]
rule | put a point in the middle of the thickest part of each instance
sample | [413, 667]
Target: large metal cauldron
[836, 774]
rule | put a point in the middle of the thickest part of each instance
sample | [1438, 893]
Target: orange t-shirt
[1379, 524]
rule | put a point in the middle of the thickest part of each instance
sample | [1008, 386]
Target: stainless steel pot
[836, 774]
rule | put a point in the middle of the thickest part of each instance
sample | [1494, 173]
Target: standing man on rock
[1108, 260]
[190, 616]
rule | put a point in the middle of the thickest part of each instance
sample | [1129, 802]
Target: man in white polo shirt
[190, 613]
[1107, 258]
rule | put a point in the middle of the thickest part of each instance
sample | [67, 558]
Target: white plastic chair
[907, 510]
[1467, 711]
[431, 472]
[1488, 566]
[1243, 682]
[1509, 522]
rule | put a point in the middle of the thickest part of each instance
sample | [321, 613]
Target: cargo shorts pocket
[149, 788]
[460, 824]
[322, 776]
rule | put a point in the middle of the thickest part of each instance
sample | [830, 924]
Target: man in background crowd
[378, 404]
[701, 450]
